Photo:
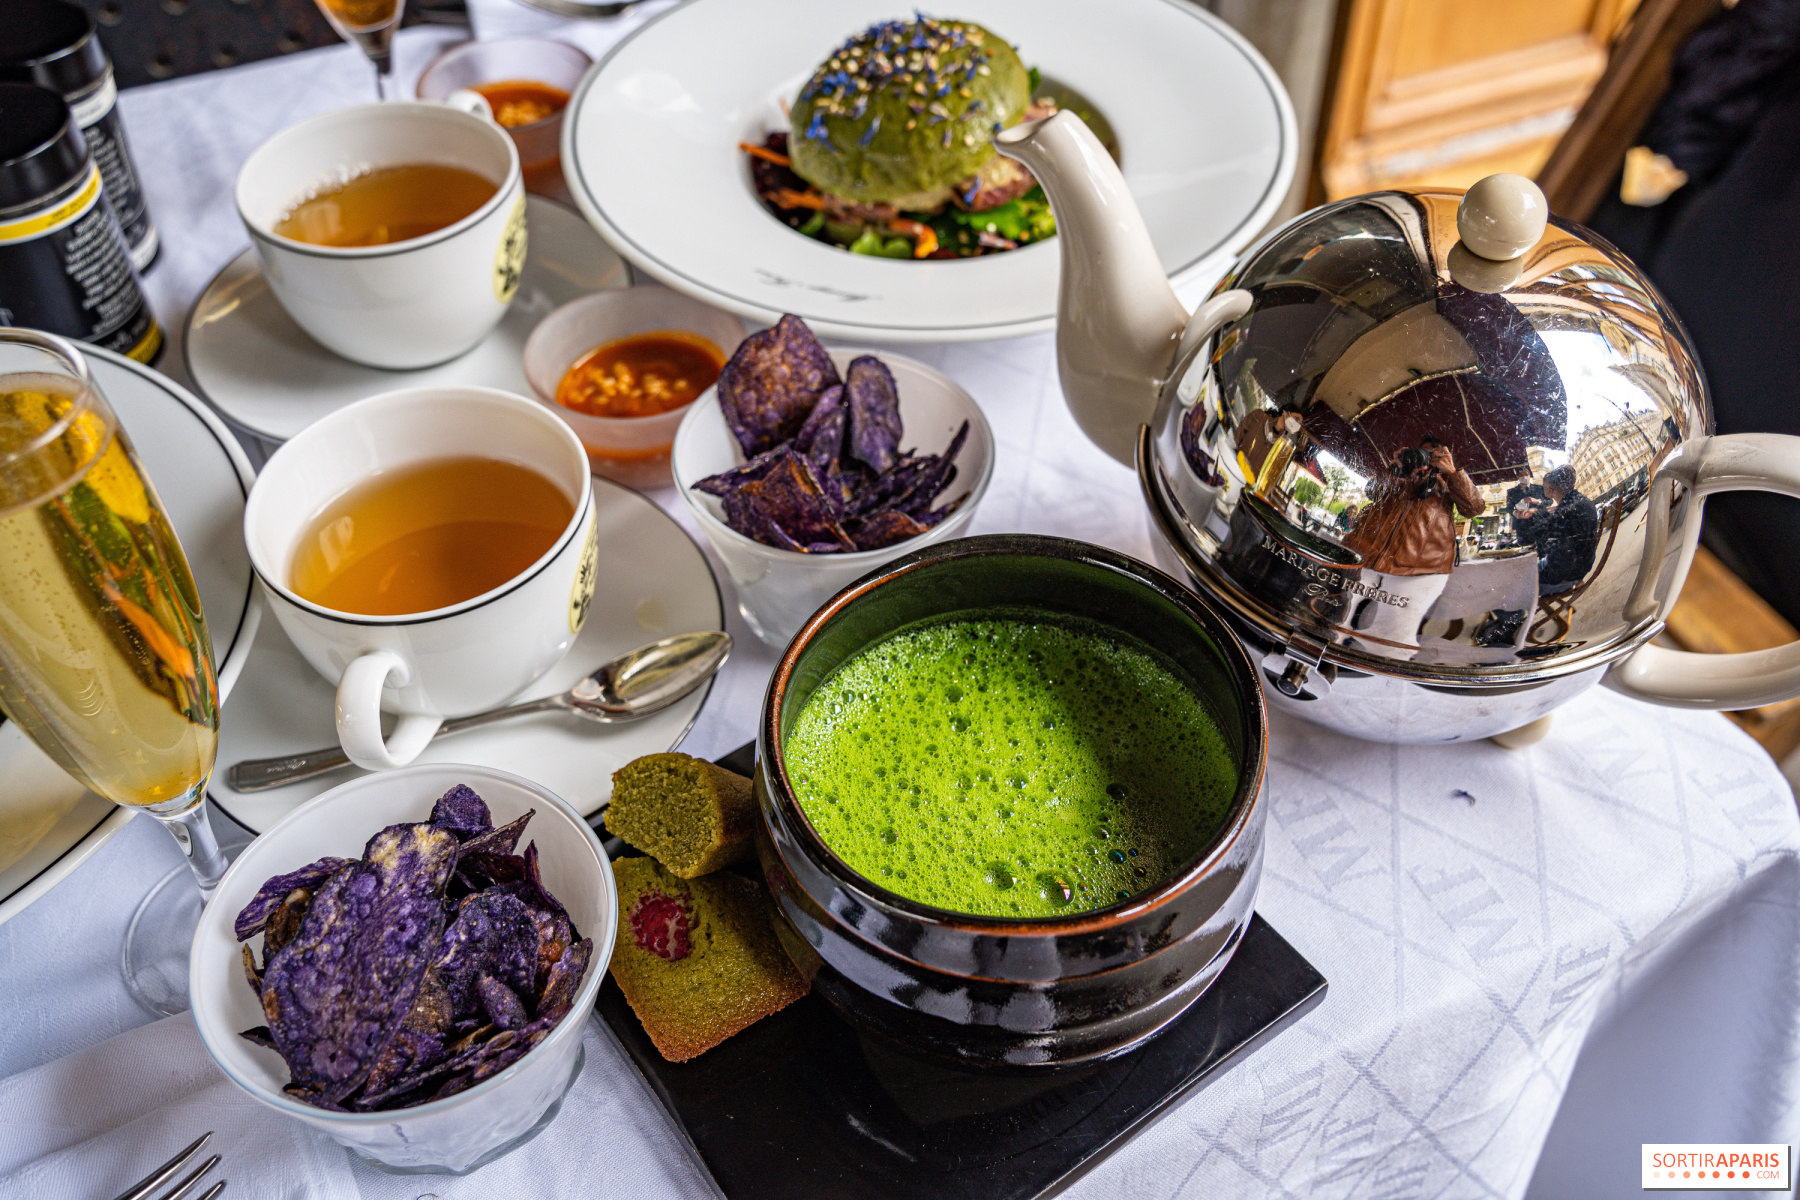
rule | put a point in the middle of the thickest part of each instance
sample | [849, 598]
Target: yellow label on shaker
[509, 262]
[583, 594]
[46, 220]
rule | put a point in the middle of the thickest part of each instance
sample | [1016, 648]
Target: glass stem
[193, 833]
[385, 88]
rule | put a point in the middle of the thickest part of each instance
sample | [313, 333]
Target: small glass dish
[506, 60]
[779, 589]
[470, 1129]
[632, 450]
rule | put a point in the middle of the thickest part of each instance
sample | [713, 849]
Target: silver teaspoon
[634, 685]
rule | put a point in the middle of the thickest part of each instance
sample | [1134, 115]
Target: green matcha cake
[906, 109]
[689, 815]
[697, 960]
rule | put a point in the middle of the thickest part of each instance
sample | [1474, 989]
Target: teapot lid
[1426, 449]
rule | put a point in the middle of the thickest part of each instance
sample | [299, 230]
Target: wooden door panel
[1444, 91]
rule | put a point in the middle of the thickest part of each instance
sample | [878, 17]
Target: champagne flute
[369, 25]
[105, 661]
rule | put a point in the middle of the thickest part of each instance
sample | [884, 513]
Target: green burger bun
[906, 109]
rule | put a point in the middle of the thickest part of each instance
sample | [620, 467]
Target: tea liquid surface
[428, 536]
[390, 204]
[1011, 767]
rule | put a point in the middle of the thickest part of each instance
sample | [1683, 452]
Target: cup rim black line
[1244, 800]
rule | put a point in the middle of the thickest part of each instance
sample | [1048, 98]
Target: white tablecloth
[1608, 922]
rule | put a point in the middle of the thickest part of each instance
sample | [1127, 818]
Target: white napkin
[93, 1123]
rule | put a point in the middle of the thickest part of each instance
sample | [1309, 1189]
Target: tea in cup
[430, 551]
[393, 233]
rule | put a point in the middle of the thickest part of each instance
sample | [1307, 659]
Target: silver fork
[149, 1183]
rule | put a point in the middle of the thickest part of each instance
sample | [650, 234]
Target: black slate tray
[802, 1106]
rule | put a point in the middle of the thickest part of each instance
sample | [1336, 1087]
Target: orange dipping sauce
[641, 375]
[519, 102]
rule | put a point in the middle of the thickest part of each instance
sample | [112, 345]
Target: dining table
[1538, 959]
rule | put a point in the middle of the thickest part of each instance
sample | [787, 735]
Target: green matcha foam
[1011, 766]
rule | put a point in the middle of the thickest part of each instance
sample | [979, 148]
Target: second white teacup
[451, 661]
[404, 304]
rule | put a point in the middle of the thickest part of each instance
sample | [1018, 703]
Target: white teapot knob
[1502, 217]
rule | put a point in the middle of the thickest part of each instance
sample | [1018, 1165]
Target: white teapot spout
[1119, 325]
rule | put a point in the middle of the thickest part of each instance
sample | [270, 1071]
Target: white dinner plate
[268, 377]
[1205, 131]
[49, 824]
[652, 581]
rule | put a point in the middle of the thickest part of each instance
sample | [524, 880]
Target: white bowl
[632, 450]
[465, 1131]
[650, 139]
[778, 589]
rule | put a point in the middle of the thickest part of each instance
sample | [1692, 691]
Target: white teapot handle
[1766, 462]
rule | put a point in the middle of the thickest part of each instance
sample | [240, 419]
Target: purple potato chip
[821, 440]
[496, 1061]
[530, 890]
[726, 482]
[251, 974]
[887, 527]
[874, 403]
[479, 872]
[408, 1052]
[788, 496]
[913, 482]
[285, 923]
[432, 1010]
[259, 1036]
[554, 936]
[938, 476]
[497, 841]
[770, 385]
[314, 1097]
[493, 934]
[462, 1061]
[500, 1002]
[269, 896]
[335, 994]
[461, 811]
[565, 981]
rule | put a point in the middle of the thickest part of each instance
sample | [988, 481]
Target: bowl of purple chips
[406, 963]
[807, 468]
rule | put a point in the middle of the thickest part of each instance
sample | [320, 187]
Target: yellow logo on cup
[583, 595]
[509, 262]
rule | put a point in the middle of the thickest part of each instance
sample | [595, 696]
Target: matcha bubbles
[1019, 764]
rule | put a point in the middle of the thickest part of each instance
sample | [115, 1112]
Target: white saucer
[653, 581]
[49, 824]
[269, 378]
[1205, 129]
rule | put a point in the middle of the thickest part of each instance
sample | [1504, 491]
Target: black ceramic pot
[1014, 992]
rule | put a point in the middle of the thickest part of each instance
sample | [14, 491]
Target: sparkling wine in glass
[369, 25]
[105, 661]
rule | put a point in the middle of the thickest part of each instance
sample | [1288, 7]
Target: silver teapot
[1441, 457]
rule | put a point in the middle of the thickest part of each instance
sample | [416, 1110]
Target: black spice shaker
[53, 44]
[63, 264]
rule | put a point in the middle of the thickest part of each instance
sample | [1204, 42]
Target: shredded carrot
[924, 236]
[789, 198]
[766, 154]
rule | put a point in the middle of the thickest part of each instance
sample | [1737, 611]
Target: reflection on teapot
[1506, 406]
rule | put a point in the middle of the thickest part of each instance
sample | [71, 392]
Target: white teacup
[406, 304]
[449, 662]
